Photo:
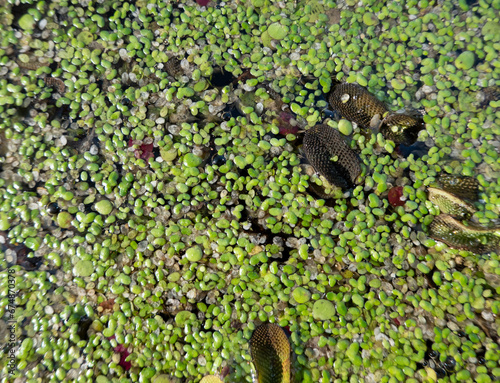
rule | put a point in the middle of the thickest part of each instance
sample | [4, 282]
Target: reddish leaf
[395, 196]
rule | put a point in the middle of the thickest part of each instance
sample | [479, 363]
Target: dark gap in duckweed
[83, 327]
[221, 78]
[418, 149]
[24, 260]
[230, 111]
[18, 11]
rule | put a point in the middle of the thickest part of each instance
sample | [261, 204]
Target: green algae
[231, 188]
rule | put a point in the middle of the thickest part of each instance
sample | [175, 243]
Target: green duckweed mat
[154, 210]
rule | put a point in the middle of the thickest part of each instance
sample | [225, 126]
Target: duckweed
[155, 207]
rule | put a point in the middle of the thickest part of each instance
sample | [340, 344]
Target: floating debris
[356, 104]
[330, 156]
[287, 123]
[450, 204]
[55, 83]
[173, 67]
[402, 128]
[486, 95]
[270, 351]
[455, 234]
[395, 196]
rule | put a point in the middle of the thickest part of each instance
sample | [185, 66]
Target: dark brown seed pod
[356, 104]
[450, 204]
[173, 67]
[402, 128]
[461, 186]
[270, 351]
[329, 154]
[56, 83]
[455, 234]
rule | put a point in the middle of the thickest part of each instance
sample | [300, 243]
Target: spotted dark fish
[461, 186]
[329, 154]
[270, 351]
[455, 234]
[356, 104]
[450, 204]
[402, 128]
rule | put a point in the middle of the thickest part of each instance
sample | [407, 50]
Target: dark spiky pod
[329, 154]
[270, 351]
[356, 104]
[462, 186]
[455, 234]
[402, 128]
[450, 204]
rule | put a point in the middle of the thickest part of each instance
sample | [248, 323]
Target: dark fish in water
[402, 128]
[356, 104]
[450, 204]
[270, 351]
[329, 154]
[462, 186]
[173, 67]
[455, 234]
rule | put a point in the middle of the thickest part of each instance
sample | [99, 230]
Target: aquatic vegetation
[156, 261]
[287, 123]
